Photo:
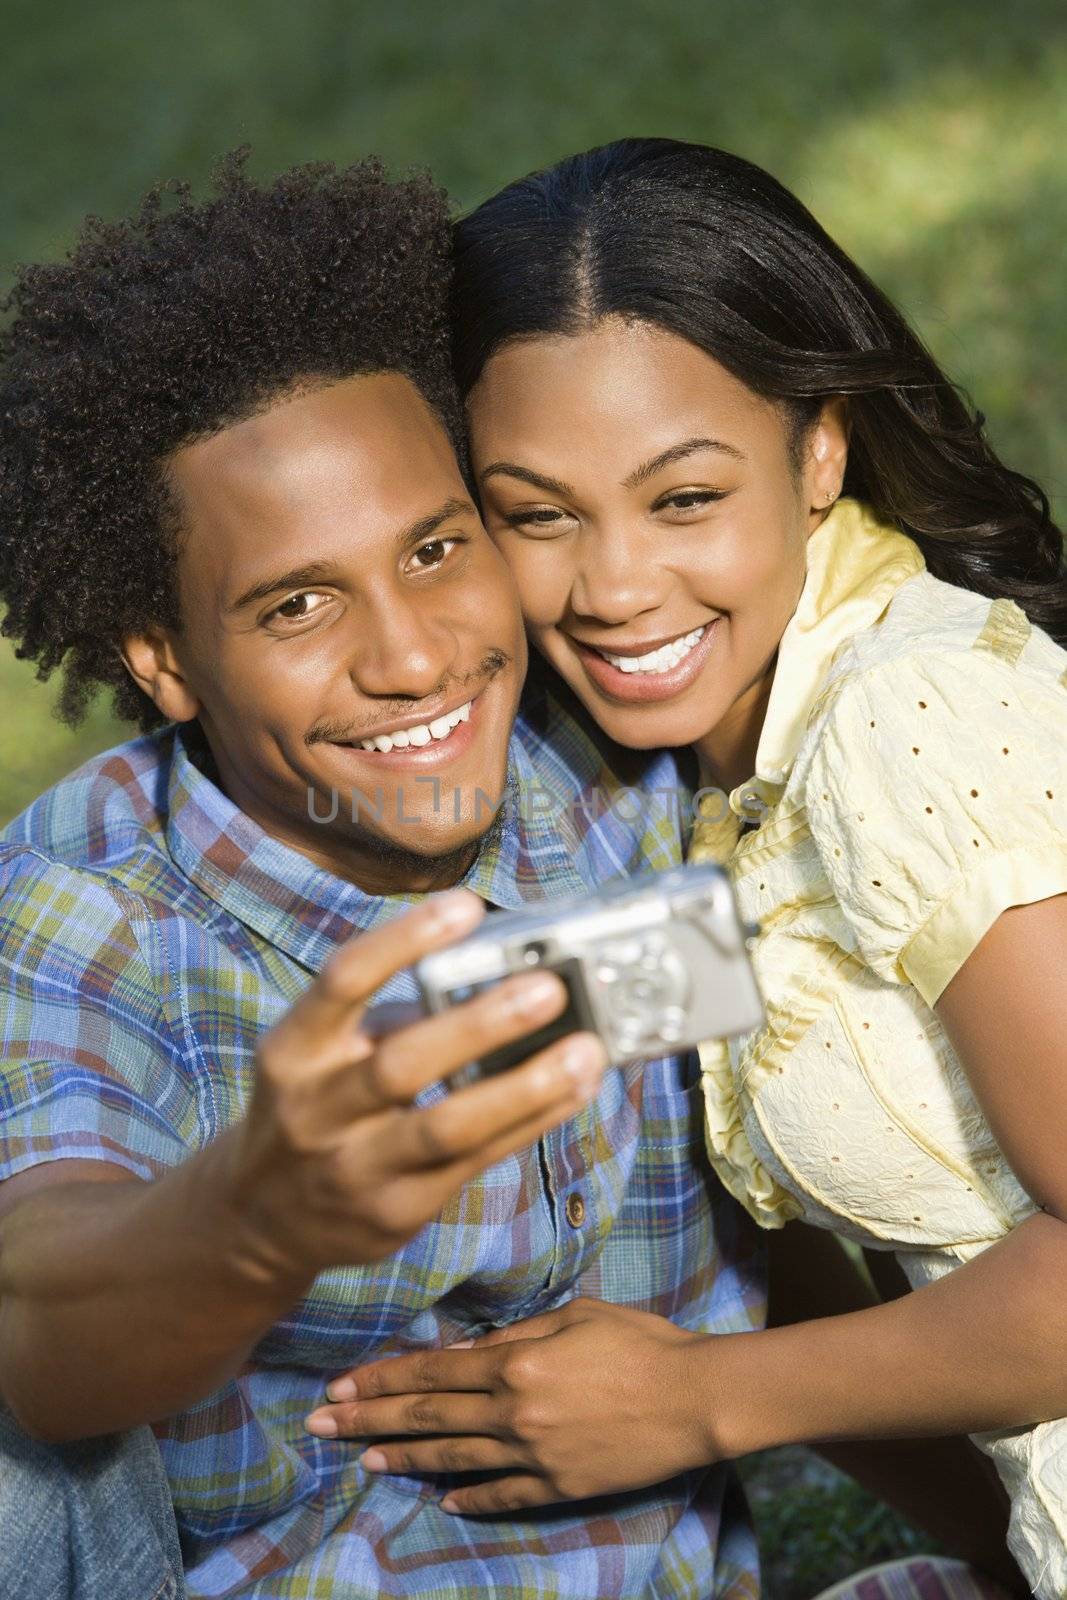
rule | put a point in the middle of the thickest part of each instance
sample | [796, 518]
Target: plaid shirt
[149, 932]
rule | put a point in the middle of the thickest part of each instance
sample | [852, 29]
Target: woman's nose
[615, 579]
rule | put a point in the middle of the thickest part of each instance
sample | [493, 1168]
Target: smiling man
[380, 751]
[231, 495]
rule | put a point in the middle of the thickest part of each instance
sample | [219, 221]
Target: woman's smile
[639, 675]
[679, 529]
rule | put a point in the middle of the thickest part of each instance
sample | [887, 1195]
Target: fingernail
[448, 1504]
[321, 1425]
[373, 1460]
[460, 1344]
[341, 1389]
[534, 993]
[450, 909]
[582, 1060]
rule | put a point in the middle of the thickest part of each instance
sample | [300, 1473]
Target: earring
[830, 496]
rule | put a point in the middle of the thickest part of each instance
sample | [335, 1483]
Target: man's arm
[153, 1293]
[143, 1289]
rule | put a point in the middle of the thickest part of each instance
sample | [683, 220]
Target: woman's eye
[299, 607]
[537, 519]
[689, 499]
[432, 553]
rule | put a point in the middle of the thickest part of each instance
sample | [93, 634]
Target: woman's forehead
[628, 387]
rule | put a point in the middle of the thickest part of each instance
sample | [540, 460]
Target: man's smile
[408, 732]
[420, 744]
[422, 739]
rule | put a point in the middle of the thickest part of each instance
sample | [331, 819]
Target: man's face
[337, 588]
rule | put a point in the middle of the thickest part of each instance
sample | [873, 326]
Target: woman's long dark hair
[707, 246]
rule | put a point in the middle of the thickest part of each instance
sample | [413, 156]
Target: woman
[747, 513]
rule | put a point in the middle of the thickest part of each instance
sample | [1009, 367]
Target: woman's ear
[827, 456]
[153, 664]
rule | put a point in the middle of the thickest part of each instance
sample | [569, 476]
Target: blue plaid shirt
[149, 932]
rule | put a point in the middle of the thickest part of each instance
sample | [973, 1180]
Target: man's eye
[433, 553]
[298, 607]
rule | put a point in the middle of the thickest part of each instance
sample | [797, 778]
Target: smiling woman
[748, 513]
[650, 581]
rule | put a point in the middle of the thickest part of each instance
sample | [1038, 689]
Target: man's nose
[400, 649]
[617, 577]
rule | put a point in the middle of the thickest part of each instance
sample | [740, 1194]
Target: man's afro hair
[164, 328]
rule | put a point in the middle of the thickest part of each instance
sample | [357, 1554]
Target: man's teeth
[661, 660]
[439, 728]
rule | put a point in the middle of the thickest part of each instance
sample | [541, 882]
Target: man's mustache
[492, 663]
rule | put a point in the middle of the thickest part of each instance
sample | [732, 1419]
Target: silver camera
[653, 965]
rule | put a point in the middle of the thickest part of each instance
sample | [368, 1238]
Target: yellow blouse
[911, 781]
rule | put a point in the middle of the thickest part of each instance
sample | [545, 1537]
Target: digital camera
[653, 965]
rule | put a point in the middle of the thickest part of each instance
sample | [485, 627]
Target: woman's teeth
[440, 728]
[661, 660]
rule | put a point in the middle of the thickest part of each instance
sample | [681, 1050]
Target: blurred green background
[930, 136]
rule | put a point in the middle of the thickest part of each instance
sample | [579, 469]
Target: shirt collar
[856, 564]
[306, 911]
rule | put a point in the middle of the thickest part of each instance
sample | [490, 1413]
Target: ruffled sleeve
[937, 798]
[739, 1169]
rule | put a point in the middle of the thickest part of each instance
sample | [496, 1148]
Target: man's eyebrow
[426, 526]
[321, 571]
[678, 452]
[536, 480]
[295, 578]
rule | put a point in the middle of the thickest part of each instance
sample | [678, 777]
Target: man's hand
[333, 1164]
[583, 1401]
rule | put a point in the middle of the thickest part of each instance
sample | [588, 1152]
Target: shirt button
[575, 1210]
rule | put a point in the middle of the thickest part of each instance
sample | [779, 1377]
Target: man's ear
[827, 455]
[153, 665]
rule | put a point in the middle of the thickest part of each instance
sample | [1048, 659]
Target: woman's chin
[647, 727]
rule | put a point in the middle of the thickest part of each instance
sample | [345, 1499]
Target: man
[231, 495]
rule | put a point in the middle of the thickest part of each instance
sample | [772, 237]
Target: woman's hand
[583, 1401]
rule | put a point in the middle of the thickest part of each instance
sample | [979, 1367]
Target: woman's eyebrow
[537, 480]
[648, 469]
[678, 452]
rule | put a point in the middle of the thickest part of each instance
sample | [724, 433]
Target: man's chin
[425, 858]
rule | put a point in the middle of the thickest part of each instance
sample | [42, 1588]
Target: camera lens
[534, 953]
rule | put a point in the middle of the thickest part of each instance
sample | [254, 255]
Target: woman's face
[656, 525]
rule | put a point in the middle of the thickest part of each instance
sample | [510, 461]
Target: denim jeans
[86, 1521]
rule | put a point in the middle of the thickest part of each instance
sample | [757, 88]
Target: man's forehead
[366, 454]
[361, 420]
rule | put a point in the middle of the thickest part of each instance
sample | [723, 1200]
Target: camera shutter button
[575, 1209]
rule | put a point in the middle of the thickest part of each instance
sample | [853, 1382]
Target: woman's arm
[945, 1486]
[987, 1346]
[607, 1399]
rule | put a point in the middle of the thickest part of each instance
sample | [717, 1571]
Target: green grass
[930, 138]
[816, 1527]
[35, 748]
